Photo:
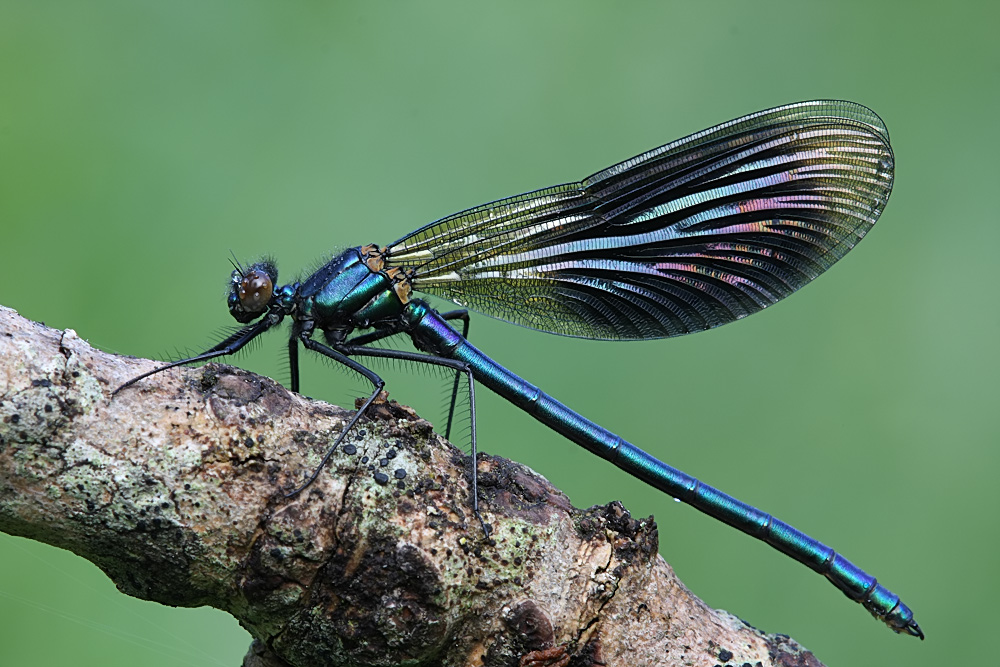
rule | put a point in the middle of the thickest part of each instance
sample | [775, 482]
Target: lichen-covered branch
[176, 488]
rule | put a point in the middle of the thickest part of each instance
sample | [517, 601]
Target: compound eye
[255, 291]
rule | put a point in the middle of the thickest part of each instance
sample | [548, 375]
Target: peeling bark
[176, 489]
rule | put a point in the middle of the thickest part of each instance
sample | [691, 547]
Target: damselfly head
[250, 290]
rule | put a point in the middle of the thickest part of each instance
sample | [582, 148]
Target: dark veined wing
[685, 237]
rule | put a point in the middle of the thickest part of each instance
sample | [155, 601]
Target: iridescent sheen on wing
[688, 236]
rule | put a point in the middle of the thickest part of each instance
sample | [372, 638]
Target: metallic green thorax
[350, 292]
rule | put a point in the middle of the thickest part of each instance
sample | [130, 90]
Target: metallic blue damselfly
[688, 236]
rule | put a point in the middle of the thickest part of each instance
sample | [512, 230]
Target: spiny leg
[373, 336]
[459, 367]
[370, 375]
[380, 334]
[293, 361]
[464, 316]
[229, 345]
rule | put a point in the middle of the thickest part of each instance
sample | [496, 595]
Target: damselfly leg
[342, 354]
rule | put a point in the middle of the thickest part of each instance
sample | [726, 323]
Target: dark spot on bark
[350, 450]
[384, 609]
[531, 625]
[233, 388]
[556, 656]
[641, 537]
[725, 656]
[785, 652]
[590, 654]
[391, 454]
[209, 377]
[48, 407]
[399, 473]
[518, 491]
[381, 478]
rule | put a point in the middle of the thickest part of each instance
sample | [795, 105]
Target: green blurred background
[140, 142]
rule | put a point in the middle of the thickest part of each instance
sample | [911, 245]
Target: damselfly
[683, 238]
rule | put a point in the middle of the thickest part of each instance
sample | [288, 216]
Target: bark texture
[176, 489]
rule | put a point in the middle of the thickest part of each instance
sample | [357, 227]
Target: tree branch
[175, 489]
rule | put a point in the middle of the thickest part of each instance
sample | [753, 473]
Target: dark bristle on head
[236, 263]
[268, 266]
